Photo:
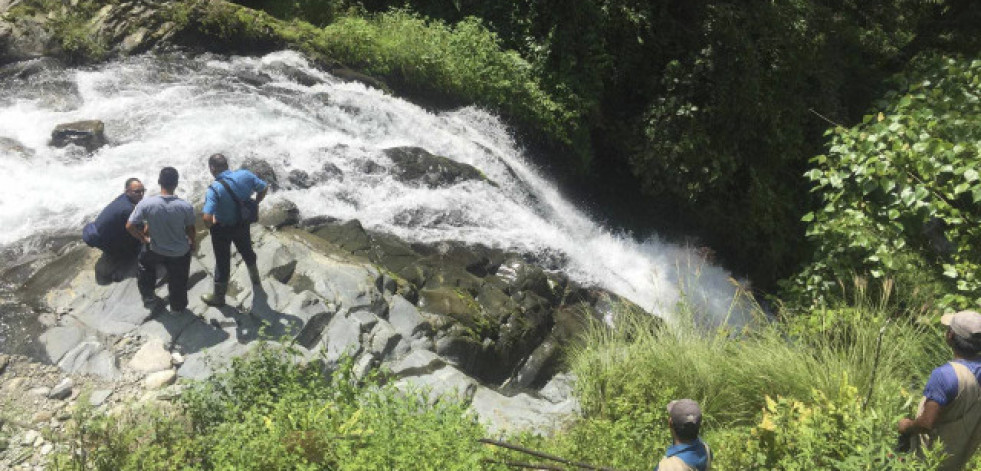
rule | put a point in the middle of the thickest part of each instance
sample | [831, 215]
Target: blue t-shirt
[942, 385]
[218, 202]
[168, 218]
[694, 454]
[110, 227]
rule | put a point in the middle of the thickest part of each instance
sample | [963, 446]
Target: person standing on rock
[688, 453]
[168, 241]
[223, 215]
[108, 234]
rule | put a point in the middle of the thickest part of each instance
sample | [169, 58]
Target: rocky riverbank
[472, 322]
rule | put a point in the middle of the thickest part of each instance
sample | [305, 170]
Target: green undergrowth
[822, 392]
[267, 412]
[788, 395]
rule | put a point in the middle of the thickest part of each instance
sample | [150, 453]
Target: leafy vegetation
[788, 395]
[268, 413]
[899, 193]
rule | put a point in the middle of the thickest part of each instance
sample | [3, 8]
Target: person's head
[168, 178]
[134, 189]
[685, 419]
[963, 333]
[217, 163]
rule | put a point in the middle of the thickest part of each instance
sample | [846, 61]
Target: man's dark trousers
[178, 269]
[222, 238]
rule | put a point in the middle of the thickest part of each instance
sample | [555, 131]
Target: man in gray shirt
[165, 225]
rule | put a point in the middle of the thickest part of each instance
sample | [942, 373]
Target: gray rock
[160, 379]
[274, 260]
[4, 361]
[559, 388]
[90, 357]
[281, 213]
[383, 339]
[520, 413]
[342, 337]
[364, 365]
[201, 364]
[117, 310]
[88, 134]
[365, 319]
[416, 165]
[152, 357]
[97, 398]
[406, 319]
[167, 327]
[62, 390]
[263, 170]
[444, 382]
[59, 340]
[39, 392]
[300, 179]
[419, 362]
[30, 437]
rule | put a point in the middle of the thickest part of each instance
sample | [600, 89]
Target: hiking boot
[254, 274]
[217, 298]
[151, 302]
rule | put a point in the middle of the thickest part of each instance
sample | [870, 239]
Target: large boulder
[89, 134]
[416, 165]
[263, 170]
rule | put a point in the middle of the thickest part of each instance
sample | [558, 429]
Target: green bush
[269, 413]
[628, 373]
[899, 194]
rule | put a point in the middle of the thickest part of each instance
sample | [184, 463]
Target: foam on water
[176, 111]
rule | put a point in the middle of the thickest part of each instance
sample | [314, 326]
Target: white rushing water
[176, 111]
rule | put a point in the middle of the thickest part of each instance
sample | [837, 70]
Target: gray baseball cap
[964, 324]
[684, 411]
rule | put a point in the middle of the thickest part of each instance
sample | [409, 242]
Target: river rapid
[175, 111]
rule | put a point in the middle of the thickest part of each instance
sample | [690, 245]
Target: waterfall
[175, 111]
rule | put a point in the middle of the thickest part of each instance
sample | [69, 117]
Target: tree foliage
[900, 193]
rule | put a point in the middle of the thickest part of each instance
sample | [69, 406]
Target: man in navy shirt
[221, 213]
[951, 406]
[688, 453]
[108, 233]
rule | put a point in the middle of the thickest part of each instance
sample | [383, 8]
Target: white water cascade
[175, 111]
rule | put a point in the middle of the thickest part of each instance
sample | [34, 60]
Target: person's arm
[136, 230]
[260, 195]
[924, 422]
[189, 230]
[210, 206]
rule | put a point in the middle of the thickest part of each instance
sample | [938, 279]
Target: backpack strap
[238, 203]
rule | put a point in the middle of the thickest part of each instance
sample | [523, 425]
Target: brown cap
[964, 324]
[684, 411]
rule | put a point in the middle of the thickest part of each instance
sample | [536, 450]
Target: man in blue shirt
[165, 225]
[222, 215]
[951, 406]
[108, 234]
[688, 453]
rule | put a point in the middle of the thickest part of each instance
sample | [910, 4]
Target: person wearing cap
[688, 453]
[951, 406]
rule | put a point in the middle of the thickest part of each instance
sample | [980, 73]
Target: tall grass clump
[779, 395]
[266, 412]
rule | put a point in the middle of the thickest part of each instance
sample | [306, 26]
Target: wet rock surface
[469, 321]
